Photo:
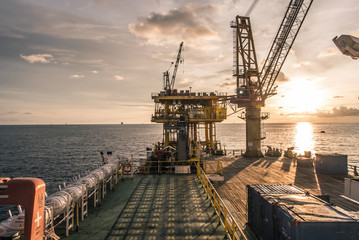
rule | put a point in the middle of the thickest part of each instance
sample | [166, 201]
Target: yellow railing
[231, 226]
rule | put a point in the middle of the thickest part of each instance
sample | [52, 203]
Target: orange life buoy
[30, 193]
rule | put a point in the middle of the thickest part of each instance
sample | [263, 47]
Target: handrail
[353, 168]
[188, 94]
[234, 151]
[231, 226]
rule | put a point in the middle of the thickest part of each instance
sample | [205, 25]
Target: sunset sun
[302, 96]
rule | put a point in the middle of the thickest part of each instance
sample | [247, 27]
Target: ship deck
[176, 206]
[239, 172]
[153, 207]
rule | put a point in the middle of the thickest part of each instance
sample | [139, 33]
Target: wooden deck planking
[239, 172]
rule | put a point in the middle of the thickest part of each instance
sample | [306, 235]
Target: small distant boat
[121, 123]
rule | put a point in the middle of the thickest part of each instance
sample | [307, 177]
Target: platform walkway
[153, 207]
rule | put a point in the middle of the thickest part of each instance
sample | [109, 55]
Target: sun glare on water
[302, 96]
[304, 140]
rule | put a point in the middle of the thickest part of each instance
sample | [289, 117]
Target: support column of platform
[253, 132]
[193, 140]
[211, 139]
[166, 131]
[206, 134]
[167, 136]
[195, 133]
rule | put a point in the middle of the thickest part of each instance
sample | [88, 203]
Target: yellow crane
[254, 86]
[166, 76]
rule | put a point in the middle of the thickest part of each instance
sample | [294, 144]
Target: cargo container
[351, 188]
[287, 212]
[332, 164]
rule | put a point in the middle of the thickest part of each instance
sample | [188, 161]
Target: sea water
[57, 153]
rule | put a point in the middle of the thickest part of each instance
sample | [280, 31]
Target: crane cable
[250, 9]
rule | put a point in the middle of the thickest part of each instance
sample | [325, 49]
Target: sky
[99, 61]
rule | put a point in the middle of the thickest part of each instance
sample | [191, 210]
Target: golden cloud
[191, 24]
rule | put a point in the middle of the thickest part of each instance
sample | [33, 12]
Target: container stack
[287, 212]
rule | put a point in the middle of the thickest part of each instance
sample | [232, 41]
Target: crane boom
[256, 87]
[288, 31]
[176, 66]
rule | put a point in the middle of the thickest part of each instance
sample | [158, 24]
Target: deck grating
[167, 207]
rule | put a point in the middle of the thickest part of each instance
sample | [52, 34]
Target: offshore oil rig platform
[189, 123]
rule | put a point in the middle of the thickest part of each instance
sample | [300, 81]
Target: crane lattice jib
[176, 66]
[245, 54]
[282, 44]
[166, 80]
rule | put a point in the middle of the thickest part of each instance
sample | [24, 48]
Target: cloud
[328, 53]
[101, 2]
[226, 72]
[28, 113]
[338, 97]
[25, 20]
[342, 111]
[282, 77]
[41, 58]
[219, 58]
[301, 64]
[191, 24]
[118, 77]
[354, 33]
[184, 83]
[228, 84]
[8, 33]
[77, 76]
[94, 71]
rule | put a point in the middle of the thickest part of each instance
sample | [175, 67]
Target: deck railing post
[219, 210]
[225, 220]
[234, 231]
[214, 196]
